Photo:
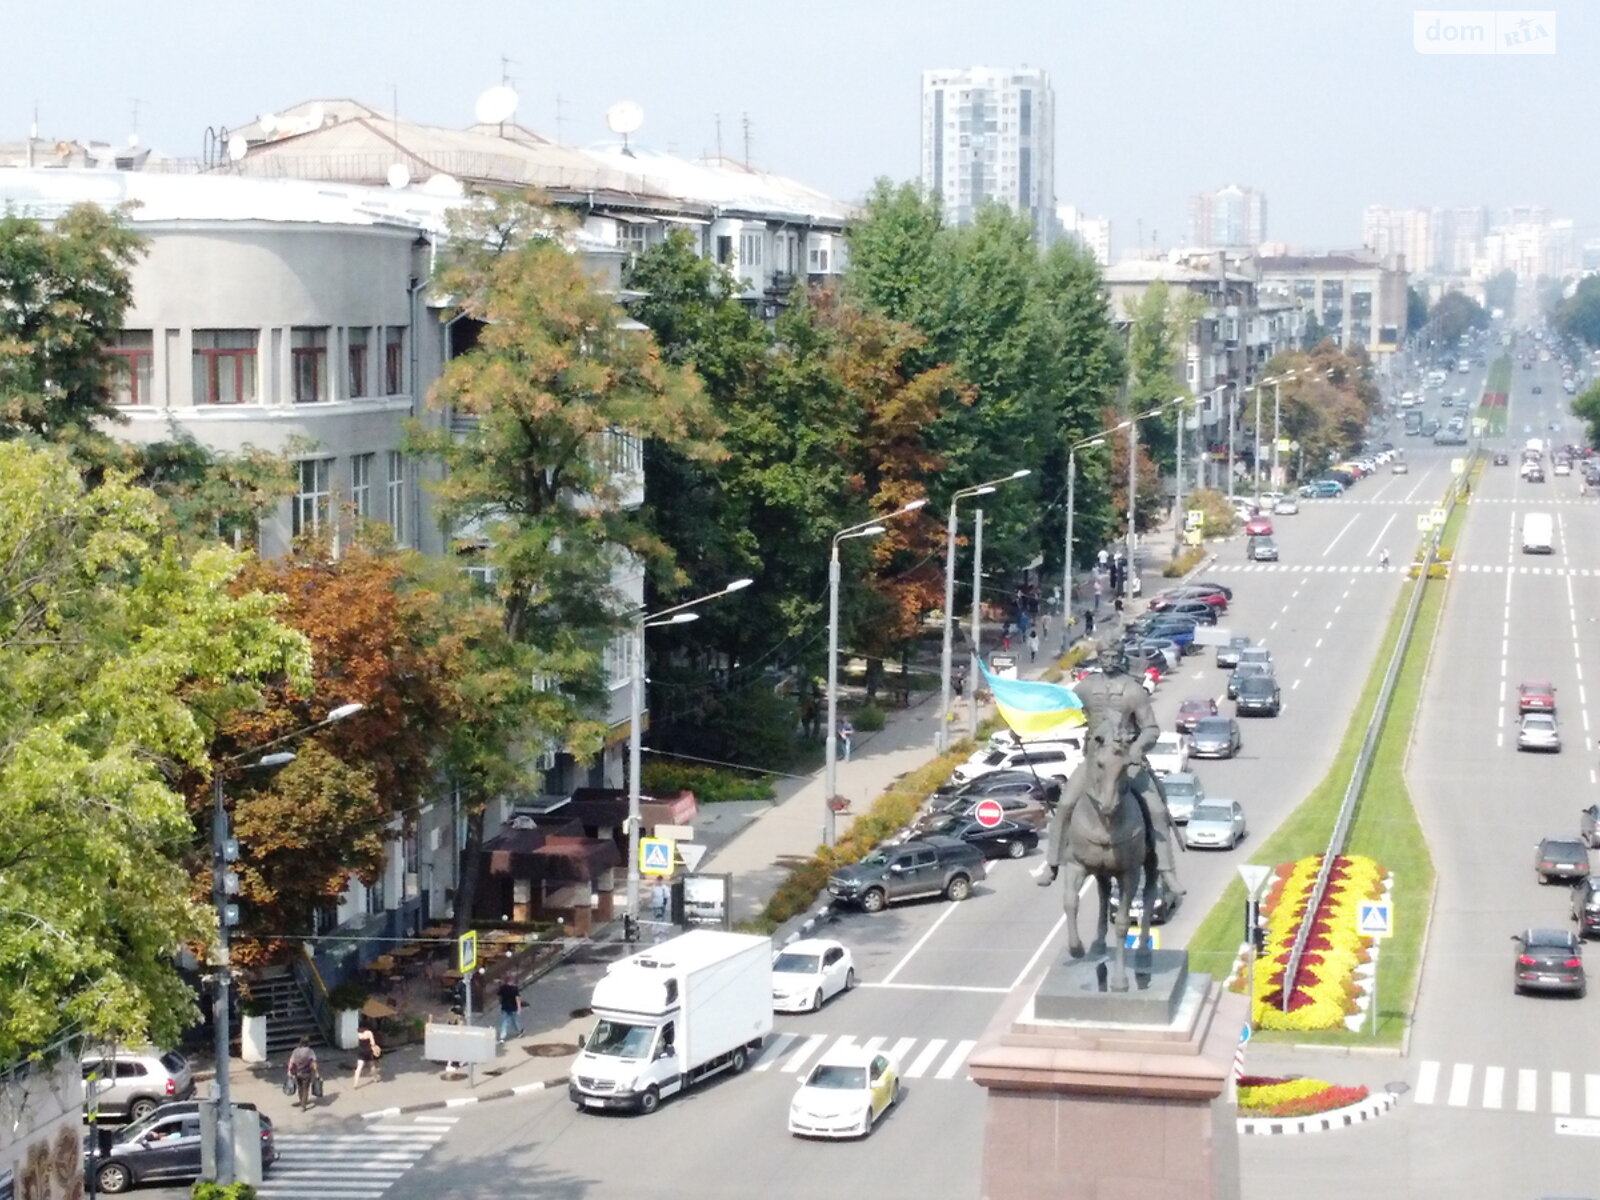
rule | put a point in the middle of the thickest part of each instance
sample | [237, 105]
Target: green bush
[1220, 520]
[710, 785]
[1187, 560]
[221, 1191]
[869, 719]
[347, 995]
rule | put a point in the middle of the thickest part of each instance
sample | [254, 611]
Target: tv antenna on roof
[496, 105]
[624, 117]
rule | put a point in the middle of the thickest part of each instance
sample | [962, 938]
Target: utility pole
[1133, 495]
[744, 120]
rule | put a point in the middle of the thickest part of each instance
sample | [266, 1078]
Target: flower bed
[1267, 1096]
[1325, 994]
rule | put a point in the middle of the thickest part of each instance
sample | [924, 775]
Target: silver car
[1184, 791]
[1215, 824]
[129, 1085]
[1538, 732]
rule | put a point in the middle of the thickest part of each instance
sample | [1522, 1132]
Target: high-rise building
[988, 137]
[1092, 233]
[1231, 216]
[1417, 233]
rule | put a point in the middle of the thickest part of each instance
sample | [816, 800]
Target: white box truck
[1538, 533]
[672, 1015]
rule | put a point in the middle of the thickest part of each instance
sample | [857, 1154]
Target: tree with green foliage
[534, 484]
[1578, 315]
[896, 264]
[1586, 405]
[1500, 290]
[1416, 310]
[1454, 315]
[121, 655]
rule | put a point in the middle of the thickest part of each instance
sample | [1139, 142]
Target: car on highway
[1183, 791]
[1216, 824]
[930, 866]
[807, 973]
[1537, 731]
[1502, 459]
[1532, 472]
[1170, 753]
[129, 1084]
[1285, 506]
[1057, 758]
[1179, 630]
[1008, 839]
[1539, 391]
[1262, 549]
[1192, 710]
[1216, 598]
[845, 1094]
[1322, 488]
[1197, 611]
[1548, 960]
[1399, 467]
[1024, 808]
[1215, 737]
[1015, 779]
[1209, 586]
[1228, 652]
[1589, 825]
[1586, 907]
[165, 1147]
[1561, 859]
[1247, 670]
[1258, 527]
[1562, 467]
[1257, 696]
[1536, 695]
[1158, 652]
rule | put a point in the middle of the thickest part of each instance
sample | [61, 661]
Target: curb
[525, 1089]
[1340, 1118]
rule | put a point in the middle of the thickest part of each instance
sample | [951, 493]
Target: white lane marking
[1329, 625]
[1271, 627]
[1308, 661]
[901, 1048]
[951, 1065]
[1045, 945]
[1378, 541]
[1294, 685]
[1336, 609]
[772, 1053]
[1494, 1083]
[1338, 535]
[1460, 1085]
[1427, 1081]
[925, 1059]
[1591, 1095]
[1560, 1093]
[873, 1045]
[1527, 1090]
[1317, 645]
[932, 929]
[797, 1059]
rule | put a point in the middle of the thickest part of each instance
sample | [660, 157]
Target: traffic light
[228, 883]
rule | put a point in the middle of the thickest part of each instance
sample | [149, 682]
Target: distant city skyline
[1231, 216]
[1153, 102]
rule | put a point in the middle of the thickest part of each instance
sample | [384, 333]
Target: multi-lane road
[1504, 1091]
[933, 974]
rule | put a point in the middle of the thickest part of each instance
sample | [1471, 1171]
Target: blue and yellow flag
[1030, 707]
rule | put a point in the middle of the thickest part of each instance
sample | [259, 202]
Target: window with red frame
[132, 366]
[225, 366]
[308, 348]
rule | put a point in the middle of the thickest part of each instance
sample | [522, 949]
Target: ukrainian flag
[1030, 707]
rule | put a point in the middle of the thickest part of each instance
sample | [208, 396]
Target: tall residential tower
[988, 136]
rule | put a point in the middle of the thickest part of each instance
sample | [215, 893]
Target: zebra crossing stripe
[811, 1046]
[1591, 1095]
[952, 1064]
[902, 1048]
[1560, 1093]
[873, 1045]
[1460, 1085]
[1527, 1090]
[1494, 1083]
[1427, 1082]
[924, 1060]
[774, 1050]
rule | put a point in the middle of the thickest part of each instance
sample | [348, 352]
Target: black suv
[930, 866]
[1257, 696]
[162, 1148]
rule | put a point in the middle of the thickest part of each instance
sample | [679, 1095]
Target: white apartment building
[988, 137]
[1092, 233]
[1233, 217]
[1355, 298]
[1420, 234]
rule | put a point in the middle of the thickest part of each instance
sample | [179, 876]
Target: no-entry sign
[988, 813]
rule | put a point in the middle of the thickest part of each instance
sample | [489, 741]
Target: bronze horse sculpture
[1107, 838]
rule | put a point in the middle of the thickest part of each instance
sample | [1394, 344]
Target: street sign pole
[467, 963]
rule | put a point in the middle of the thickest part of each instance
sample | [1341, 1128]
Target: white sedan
[807, 973]
[845, 1094]
[1169, 754]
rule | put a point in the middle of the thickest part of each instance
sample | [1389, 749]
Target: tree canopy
[1454, 314]
[1578, 315]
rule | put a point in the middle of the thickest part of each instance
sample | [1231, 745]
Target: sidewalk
[758, 857]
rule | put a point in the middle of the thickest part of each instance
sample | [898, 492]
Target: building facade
[1233, 217]
[1355, 299]
[1092, 233]
[988, 137]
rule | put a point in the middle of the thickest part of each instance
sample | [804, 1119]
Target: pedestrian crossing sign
[1131, 939]
[1373, 919]
[655, 856]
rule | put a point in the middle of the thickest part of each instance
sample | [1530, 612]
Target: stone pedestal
[1100, 1095]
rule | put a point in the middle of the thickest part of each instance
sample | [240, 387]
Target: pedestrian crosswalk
[1464, 1085]
[919, 1058]
[353, 1166]
[1514, 569]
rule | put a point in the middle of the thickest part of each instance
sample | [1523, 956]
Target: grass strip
[1498, 383]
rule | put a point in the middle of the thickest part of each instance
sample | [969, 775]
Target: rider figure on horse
[1116, 697]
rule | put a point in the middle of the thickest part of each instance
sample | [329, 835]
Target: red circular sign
[988, 813]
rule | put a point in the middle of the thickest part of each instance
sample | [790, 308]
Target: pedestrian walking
[660, 898]
[303, 1071]
[1033, 645]
[1088, 622]
[510, 1010]
[808, 718]
[1098, 587]
[847, 733]
[1118, 604]
[1044, 625]
[368, 1052]
[1383, 558]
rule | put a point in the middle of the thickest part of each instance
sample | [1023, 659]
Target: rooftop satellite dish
[495, 106]
[314, 117]
[624, 117]
[398, 175]
[268, 123]
[443, 185]
[238, 148]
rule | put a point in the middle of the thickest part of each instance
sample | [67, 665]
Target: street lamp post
[1233, 405]
[941, 740]
[977, 620]
[1277, 425]
[830, 755]
[1066, 556]
[676, 615]
[223, 852]
[1133, 498]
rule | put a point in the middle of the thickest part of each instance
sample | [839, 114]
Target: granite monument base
[1098, 1095]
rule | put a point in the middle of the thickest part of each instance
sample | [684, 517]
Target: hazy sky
[1325, 107]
